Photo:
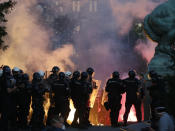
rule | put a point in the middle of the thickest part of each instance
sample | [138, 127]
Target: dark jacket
[131, 89]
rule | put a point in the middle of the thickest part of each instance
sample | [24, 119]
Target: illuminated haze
[101, 43]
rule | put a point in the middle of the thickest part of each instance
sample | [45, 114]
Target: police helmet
[25, 77]
[132, 73]
[90, 70]
[15, 69]
[36, 76]
[21, 71]
[61, 75]
[6, 70]
[76, 74]
[1, 72]
[84, 75]
[68, 73]
[42, 73]
[55, 69]
[115, 74]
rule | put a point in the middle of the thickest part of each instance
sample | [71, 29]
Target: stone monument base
[162, 63]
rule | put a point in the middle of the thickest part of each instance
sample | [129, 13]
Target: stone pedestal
[162, 64]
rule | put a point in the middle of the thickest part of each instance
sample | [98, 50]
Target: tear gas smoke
[29, 42]
[101, 42]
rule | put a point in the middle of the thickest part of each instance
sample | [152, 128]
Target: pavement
[132, 127]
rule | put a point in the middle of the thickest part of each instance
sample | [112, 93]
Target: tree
[5, 8]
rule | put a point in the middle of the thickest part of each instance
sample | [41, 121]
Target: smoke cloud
[29, 42]
[99, 38]
[146, 50]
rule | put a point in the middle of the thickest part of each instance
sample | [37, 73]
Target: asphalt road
[133, 127]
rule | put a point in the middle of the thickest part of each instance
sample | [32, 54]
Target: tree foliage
[5, 8]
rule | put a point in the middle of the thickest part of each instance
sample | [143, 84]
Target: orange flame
[71, 113]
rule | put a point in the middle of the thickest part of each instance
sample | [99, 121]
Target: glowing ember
[94, 93]
[95, 104]
[72, 112]
[97, 112]
[132, 114]
[92, 102]
[30, 111]
[46, 105]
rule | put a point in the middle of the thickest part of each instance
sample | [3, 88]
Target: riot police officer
[8, 103]
[54, 75]
[114, 88]
[132, 88]
[75, 85]
[84, 96]
[68, 75]
[19, 95]
[38, 92]
[61, 97]
[51, 80]
[44, 81]
[90, 72]
[1, 73]
[24, 101]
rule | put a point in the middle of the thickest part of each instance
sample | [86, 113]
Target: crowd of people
[135, 90]
[17, 93]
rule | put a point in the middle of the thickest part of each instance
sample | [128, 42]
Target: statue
[160, 27]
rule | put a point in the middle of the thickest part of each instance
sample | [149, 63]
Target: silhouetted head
[84, 76]
[55, 69]
[115, 74]
[132, 74]
[36, 76]
[6, 70]
[90, 70]
[61, 76]
[76, 74]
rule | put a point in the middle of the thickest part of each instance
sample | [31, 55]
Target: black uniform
[131, 88]
[51, 80]
[90, 72]
[75, 87]
[84, 95]
[18, 97]
[115, 89]
[8, 104]
[24, 100]
[0, 96]
[38, 92]
[61, 97]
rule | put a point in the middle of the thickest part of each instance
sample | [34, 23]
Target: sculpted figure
[160, 27]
